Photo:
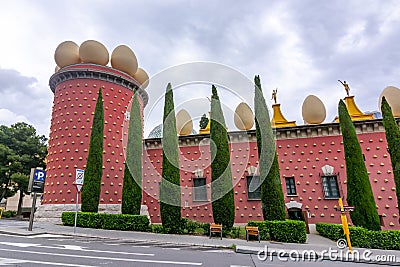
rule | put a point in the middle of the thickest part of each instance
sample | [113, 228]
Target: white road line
[219, 251]
[106, 258]
[7, 261]
[76, 248]
[44, 236]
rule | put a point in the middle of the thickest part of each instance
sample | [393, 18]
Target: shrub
[235, 232]
[9, 214]
[132, 191]
[365, 215]
[362, 237]
[191, 226]
[331, 231]
[273, 204]
[392, 131]
[206, 228]
[157, 228]
[170, 195]
[222, 196]
[90, 195]
[124, 222]
[263, 227]
[290, 231]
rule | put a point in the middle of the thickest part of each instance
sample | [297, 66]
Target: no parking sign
[79, 178]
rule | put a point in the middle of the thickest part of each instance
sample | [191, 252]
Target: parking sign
[39, 177]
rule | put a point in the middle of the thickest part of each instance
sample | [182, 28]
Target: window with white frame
[330, 185]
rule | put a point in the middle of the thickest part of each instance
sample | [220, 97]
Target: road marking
[45, 236]
[78, 248]
[7, 261]
[219, 251]
[21, 245]
[106, 258]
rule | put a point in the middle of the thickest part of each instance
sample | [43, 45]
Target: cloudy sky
[300, 47]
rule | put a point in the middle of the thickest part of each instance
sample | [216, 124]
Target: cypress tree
[359, 190]
[94, 165]
[392, 131]
[170, 194]
[272, 200]
[222, 196]
[131, 191]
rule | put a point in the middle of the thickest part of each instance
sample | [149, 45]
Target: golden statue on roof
[274, 93]
[346, 87]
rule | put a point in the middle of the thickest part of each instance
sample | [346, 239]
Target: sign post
[36, 185]
[79, 178]
[344, 222]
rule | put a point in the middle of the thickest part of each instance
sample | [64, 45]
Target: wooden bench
[216, 228]
[252, 230]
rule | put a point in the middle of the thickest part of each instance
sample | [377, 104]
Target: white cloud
[301, 47]
[7, 117]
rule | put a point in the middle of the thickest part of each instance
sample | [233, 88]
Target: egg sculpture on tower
[81, 71]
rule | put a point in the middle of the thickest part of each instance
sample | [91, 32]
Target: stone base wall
[52, 212]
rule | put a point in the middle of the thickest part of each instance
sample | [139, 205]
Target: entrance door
[298, 214]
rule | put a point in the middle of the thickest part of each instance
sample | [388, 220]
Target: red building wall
[299, 157]
[72, 118]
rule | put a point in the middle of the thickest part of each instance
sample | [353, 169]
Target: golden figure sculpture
[274, 93]
[346, 87]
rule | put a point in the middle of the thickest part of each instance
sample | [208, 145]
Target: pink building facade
[312, 168]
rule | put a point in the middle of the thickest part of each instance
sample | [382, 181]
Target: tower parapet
[75, 89]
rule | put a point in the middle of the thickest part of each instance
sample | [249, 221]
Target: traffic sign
[39, 177]
[349, 208]
[79, 179]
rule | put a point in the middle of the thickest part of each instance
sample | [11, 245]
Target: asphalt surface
[56, 245]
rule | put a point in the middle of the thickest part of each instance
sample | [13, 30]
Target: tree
[222, 196]
[170, 194]
[94, 165]
[21, 182]
[21, 149]
[131, 191]
[359, 190]
[392, 131]
[273, 205]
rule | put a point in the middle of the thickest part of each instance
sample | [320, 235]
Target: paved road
[59, 250]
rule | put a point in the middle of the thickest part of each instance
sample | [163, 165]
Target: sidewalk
[315, 245]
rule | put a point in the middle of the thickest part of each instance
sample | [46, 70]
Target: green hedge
[124, 222]
[263, 227]
[361, 237]
[9, 214]
[290, 231]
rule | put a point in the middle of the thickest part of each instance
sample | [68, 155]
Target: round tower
[75, 89]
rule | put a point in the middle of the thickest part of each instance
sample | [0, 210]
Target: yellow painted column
[345, 225]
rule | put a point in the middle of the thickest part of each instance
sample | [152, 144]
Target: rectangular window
[200, 189]
[290, 186]
[253, 187]
[330, 184]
